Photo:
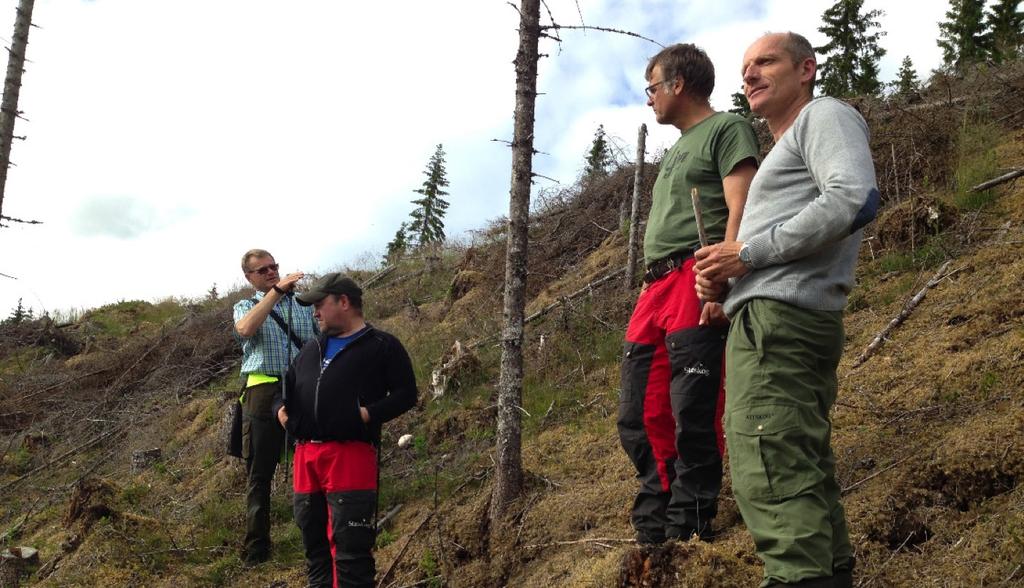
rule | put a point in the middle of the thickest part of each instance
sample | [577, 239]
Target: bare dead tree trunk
[624, 209]
[12, 88]
[634, 215]
[508, 471]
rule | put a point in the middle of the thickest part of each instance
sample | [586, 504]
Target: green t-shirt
[703, 155]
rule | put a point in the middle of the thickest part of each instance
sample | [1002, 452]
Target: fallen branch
[996, 181]
[880, 338]
[597, 540]
[379, 276]
[71, 452]
[868, 582]
[874, 475]
[383, 580]
[405, 546]
[64, 383]
[1009, 116]
[387, 517]
[562, 300]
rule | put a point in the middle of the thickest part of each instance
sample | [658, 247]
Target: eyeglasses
[270, 267]
[649, 90]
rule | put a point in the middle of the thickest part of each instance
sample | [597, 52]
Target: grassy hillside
[927, 431]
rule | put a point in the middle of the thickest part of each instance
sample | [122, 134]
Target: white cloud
[167, 137]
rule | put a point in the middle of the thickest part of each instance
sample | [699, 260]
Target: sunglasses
[270, 267]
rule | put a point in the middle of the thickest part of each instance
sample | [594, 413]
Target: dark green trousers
[262, 441]
[780, 385]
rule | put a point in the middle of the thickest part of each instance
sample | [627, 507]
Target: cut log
[999, 180]
[880, 338]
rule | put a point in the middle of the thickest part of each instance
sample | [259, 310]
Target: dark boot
[705, 534]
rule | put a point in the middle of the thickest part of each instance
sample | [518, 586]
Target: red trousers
[335, 507]
[670, 409]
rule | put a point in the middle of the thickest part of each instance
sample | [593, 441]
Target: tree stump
[10, 570]
[143, 458]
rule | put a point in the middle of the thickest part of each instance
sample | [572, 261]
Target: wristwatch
[745, 256]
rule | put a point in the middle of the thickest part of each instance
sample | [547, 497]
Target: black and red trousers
[670, 410]
[335, 507]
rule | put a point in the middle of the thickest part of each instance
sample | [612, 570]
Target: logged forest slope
[111, 427]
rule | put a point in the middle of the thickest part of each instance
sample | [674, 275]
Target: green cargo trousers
[781, 365]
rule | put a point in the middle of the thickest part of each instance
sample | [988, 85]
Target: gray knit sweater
[806, 207]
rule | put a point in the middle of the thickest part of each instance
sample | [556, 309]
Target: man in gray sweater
[793, 264]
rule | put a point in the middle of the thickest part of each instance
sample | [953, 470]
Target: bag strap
[280, 322]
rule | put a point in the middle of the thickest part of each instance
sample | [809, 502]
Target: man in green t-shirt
[672, 395]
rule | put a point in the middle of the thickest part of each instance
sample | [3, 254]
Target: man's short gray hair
[251, 254]
[799, 49]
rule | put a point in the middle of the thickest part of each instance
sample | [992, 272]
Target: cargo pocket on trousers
[635, 369]
[771, 450]
[246, 436]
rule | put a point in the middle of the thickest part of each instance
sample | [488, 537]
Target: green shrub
[135, 493]
[385, 538]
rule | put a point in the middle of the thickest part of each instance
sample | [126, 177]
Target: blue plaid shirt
[266, 352]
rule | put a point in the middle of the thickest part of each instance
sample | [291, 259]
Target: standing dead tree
[634, 215]
[508, 471]
[12, 88]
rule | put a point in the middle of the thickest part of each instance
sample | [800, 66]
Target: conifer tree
[398, 245]
[1005, 37]
[962, 36]
[740, 105]
[852, 53]
[427, 224]
[866, 82]
[18, 314]
[599, 156]
[906, 79]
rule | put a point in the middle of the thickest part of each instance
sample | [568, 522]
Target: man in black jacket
[341, 388]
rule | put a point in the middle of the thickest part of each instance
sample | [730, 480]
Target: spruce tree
[18, 314]
[740, 105]
[599, 156]
[906, 79]
[1005, 37]
[427, 224]
[397, 246]
[852, 53]
[866, 82]
[962, 36]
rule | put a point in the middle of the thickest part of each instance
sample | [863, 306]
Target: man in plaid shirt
[265, 355]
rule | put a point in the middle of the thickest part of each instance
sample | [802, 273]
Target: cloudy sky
[166, 137]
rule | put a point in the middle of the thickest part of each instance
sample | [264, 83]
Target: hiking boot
[706, 534]
[649, 538]
[251, 560]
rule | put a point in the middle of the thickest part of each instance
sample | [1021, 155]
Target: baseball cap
[332, 283]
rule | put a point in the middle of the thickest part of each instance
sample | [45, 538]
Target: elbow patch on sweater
[868, 212]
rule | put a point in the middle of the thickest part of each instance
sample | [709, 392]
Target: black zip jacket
[373, 371]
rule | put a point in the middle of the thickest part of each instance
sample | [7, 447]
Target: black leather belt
[660, 268]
